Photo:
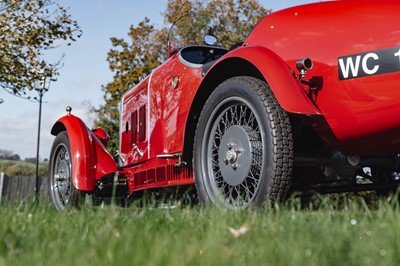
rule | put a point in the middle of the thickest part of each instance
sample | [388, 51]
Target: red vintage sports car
[309, 102]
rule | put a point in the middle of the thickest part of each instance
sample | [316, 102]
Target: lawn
[354, 234]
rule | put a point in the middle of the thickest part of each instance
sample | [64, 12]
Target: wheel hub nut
[235, 154]
[59, 177]
[231, 156]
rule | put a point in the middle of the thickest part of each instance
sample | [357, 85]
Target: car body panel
[286, 87]
[166, 111]
[354, 108]
[89, 157]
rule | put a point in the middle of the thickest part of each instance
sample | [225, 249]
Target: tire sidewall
[60, 140]
[238, 88]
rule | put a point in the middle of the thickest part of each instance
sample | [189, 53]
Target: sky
[84, 70]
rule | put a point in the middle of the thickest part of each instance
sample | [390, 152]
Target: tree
[129, 61]
[27, 29]
[30, 160]
[9, 155]
[146, 48]
[5, 154]
[232, 20]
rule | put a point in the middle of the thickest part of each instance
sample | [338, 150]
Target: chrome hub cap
[235, 155]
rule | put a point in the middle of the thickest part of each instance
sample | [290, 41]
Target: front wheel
[62, 192]
[243, 148]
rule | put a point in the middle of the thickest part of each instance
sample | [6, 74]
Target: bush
[21, 168]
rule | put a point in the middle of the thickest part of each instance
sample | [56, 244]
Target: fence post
[1, 185]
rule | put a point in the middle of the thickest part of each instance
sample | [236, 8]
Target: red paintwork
[90, 159]
[355, 108]
[102, 135]
[157, 173]
[355, 115]
[286, 87]
[167, 110]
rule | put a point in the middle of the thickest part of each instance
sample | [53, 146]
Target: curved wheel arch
[251, 62]
[230, 68]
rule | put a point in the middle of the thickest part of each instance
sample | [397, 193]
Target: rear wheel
[243, 149]
[62, 192]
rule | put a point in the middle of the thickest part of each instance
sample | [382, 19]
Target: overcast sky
[85, 70]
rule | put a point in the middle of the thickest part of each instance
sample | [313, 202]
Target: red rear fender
[90, 158]
[286, 87]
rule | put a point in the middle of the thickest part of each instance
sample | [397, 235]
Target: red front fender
[90, 159]
[286, 87]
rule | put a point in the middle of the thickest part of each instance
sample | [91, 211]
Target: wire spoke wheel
[61, 179]
[241, 156]
[234, 153]
[62, 192]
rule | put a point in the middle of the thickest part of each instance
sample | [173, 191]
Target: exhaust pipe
[303, 65]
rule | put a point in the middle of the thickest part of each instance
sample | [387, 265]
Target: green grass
[353, 235]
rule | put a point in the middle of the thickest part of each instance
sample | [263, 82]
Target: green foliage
[9, 155]
[129, 61]
[146, 47]
[30, 160]
[27, 29]
[353, 235]
[231, 20]
[21, 168]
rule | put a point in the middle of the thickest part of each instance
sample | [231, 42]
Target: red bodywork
[356, 114]
[90, 158]
[360, 112]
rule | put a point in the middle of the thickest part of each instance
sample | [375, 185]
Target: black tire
[60, 188]
[243, 147]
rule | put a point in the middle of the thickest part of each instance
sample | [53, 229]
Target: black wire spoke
[251, 120]
[249, 193]
[234, 115]
[218, 175]
[242, 114]
[240, 199]
[257, 151]
[237, 190]
[256, 167]
[215, 162]
[231, 199]
[237, 114]
[218, 132]
[66, 194]
[252, 177]
[223, 122]
[62, 168]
